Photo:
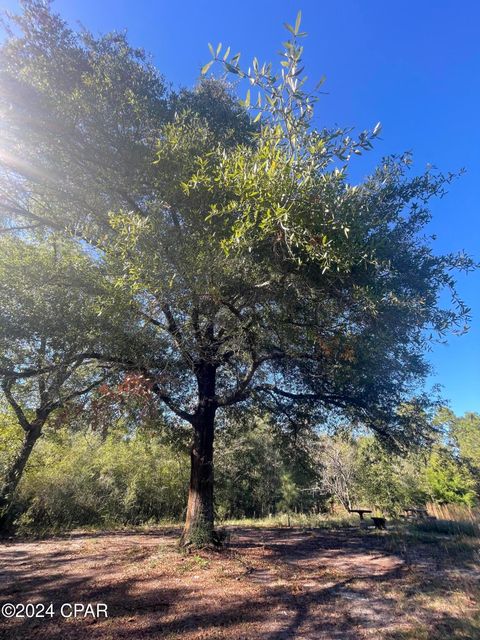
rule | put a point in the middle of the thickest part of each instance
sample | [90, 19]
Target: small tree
[48, 348]
[289, 495]
[390, 483]
[448, 480]
[339, 466]
[248, 467]
[463, 436]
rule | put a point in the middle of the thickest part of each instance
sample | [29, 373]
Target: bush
[78, 479]
[448, 480]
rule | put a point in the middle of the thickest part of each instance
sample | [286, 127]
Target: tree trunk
[199, 523]
[14, 474]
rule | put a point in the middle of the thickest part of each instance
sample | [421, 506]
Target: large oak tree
[253, 269]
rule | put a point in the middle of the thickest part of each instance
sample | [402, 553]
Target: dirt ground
[268, 583]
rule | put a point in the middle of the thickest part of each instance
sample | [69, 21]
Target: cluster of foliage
[261, 470]
[86, 472]
[359, 472]
[77, 479]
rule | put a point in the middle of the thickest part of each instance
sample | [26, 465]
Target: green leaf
[227, 53]
[211, 50]
[257, 117]
[289, 27]
[219, 48]
[297, 22]
[247, 99]
[231, 68]
[206, 67]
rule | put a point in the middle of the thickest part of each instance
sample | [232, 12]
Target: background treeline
[131, 469]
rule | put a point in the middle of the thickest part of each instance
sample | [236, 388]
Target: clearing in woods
[268, 583]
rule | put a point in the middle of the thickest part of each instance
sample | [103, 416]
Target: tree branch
[239, 393]
[22, 419]
[171, 405]
[75, 394]
[176, 334]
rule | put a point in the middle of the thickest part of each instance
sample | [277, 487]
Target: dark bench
[380, 523]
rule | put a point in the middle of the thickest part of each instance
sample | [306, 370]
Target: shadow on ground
[268, 583]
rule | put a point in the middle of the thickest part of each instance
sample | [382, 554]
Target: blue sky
[414, 66]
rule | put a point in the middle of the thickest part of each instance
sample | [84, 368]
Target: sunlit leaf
[298, 22]
[206, 67]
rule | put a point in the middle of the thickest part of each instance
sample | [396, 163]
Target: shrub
[79, 479]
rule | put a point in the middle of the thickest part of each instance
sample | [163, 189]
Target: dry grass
[451, 593]
[456, 513]
[318, 521]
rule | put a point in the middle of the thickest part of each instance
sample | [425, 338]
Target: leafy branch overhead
[279, 97]
[292, 186]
